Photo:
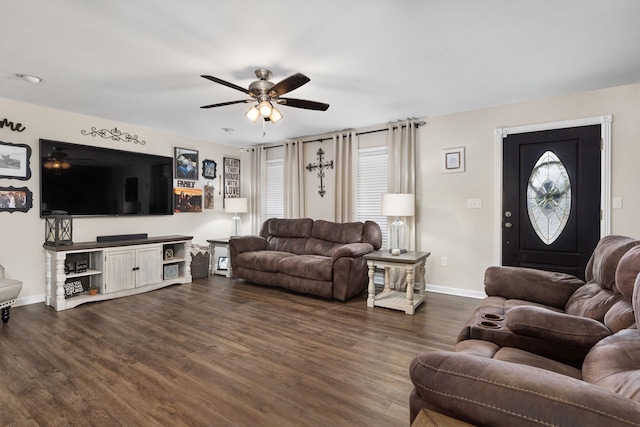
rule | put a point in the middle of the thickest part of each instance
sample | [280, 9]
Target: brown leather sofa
[496, 384]
[318, 257]
[557, 315]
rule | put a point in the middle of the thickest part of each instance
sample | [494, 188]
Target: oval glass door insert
[549, 197]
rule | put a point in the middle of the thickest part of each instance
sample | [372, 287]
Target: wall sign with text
[231, 173]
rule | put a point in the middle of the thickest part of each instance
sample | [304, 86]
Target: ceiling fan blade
[222, 104]
[303, 103]
[226, 83]
[290, 83]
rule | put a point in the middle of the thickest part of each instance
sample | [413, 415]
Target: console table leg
[372, 288]
[409, 309]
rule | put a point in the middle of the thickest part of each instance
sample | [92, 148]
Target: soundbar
[117, 237]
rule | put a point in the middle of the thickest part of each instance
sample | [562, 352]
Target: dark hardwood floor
[218, 352]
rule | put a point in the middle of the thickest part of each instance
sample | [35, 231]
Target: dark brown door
[551, 199]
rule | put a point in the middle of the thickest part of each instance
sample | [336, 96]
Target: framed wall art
[186, 164]
[14, 161]
[187, 199]
[231, 174]
[15, 199]
[209, 169]
[453, 160]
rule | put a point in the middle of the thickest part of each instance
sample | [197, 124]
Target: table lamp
[236, 206]
[397, 205]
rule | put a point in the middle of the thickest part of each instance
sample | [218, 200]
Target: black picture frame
[12, 202]
[186, 164]
[14, 161]
[209, 169]
[231, 174]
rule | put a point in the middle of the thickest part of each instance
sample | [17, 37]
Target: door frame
[605, 165]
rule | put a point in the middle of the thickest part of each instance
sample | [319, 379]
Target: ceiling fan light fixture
[275, 116]
[265, 108]
[57, 164]
[252, 114]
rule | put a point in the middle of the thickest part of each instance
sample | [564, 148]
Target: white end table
[412, 262]
[222, 242]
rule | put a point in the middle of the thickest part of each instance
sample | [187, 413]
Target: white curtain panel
[401, 140]
[294, 188]
[344, 145]
[257, 202]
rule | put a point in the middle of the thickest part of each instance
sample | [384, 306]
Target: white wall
[22, 234]
[465, 236]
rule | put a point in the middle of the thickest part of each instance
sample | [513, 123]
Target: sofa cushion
[350, 232]
[604, 260]
[267, 261]
[614, 364]
[592, 301]
[279, 227]
[307, 266]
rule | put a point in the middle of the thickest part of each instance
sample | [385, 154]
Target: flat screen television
[86, 180]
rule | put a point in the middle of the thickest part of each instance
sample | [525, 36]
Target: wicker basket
[199, 262]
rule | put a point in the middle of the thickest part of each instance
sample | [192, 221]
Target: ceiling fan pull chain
[264, 132]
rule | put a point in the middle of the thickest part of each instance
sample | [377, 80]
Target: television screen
[86, 180]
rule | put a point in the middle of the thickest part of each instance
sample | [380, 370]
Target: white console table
[116, 268]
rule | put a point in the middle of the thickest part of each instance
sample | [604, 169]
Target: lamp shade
[236, 205]
[398, 204]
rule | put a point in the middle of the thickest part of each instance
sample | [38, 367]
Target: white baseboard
[33, 299]
[456, 291]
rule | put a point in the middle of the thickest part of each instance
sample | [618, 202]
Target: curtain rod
[416, 125]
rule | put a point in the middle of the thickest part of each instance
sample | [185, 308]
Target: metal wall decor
[320, 166]
[114, 134]
[14, 161]
[14, 127]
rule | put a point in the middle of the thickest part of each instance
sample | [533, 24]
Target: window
[275, 188]
[373, 175]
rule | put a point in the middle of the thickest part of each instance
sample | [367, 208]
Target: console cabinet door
[149, 266]
[119, 270]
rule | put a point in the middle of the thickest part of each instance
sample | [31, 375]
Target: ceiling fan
[265, 93]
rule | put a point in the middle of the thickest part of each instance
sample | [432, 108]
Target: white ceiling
[140, 61]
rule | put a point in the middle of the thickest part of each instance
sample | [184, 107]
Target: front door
[551, 199]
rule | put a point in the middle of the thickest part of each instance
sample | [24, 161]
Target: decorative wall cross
[321, 166]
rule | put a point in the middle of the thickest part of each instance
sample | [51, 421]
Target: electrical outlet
[474, 203]
[444, 261]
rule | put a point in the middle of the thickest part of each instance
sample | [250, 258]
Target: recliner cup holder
[492, 316]
[490, 325]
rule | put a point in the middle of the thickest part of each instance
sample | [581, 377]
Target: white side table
[222, 242]
[412, 262]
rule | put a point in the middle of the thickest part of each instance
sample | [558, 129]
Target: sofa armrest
[240, 244]
[352, 250]
[561, 328]
[542, 287]
[494, 392]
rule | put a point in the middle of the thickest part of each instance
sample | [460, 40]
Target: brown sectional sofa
[552, 351]
[318, 257]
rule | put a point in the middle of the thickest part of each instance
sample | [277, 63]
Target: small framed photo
[15, 199]
[187, 200]
[453, 160]
[209, 169]
[223, 263]
[14, 161]
[186, 164]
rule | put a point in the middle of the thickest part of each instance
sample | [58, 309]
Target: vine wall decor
[114, 134]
